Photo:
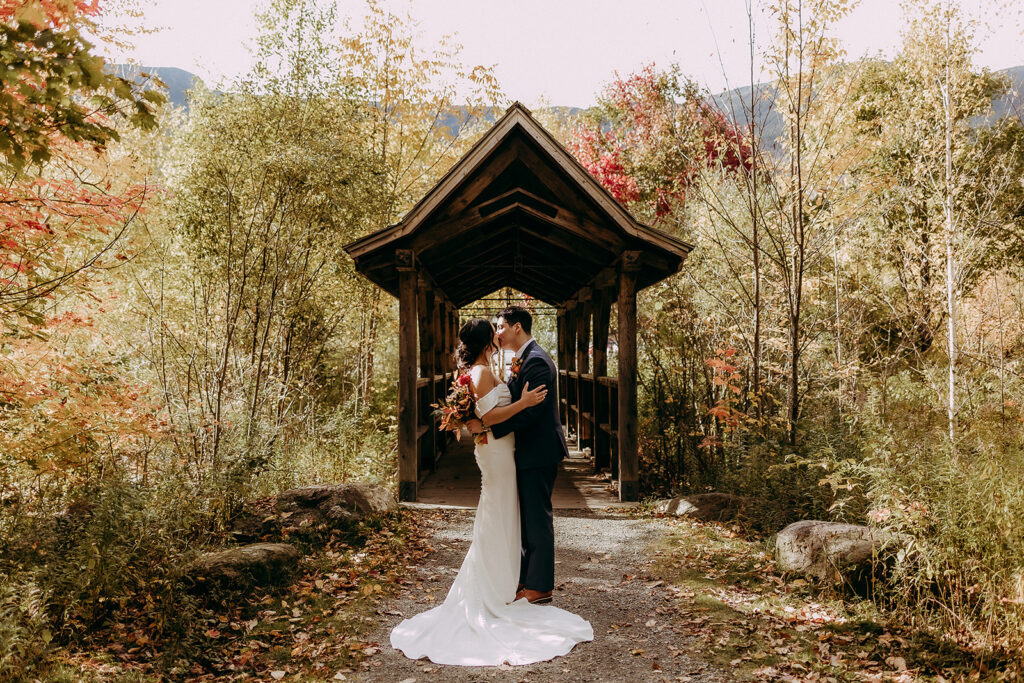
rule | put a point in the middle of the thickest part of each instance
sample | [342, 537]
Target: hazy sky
[562, 50]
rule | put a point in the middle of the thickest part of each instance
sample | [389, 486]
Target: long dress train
[478, 624]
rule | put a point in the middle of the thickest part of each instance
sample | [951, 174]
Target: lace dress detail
[478, 624]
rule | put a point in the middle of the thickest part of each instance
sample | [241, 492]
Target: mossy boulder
[325, 506]
[248, 565]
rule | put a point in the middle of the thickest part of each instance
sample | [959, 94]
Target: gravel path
[601, 576]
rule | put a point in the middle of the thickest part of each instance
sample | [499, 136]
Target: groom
[540, 445]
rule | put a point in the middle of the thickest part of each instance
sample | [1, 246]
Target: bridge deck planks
[457, 483]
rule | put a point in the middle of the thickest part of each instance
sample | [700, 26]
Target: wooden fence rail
[430, 443]
[590, 410]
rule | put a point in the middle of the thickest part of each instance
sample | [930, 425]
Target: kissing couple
[498, 609]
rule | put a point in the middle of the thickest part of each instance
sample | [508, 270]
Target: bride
[480, 623]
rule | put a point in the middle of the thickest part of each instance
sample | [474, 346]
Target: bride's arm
[528, 399]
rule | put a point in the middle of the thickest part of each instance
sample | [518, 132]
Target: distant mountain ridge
[177, 81]
[1012, 102]
[734, 103]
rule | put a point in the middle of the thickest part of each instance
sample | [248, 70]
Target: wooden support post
[425, 303]
[570, 366]
[408, 460]
[560, 324]
[583, 312]
[426, 300]
[602, 411]
[629, 479]
[447, 345]
[438, 334]
[453, 323]
[439, 388]
[561, 360]
[584, 433]
[570, 336]
[602, 320]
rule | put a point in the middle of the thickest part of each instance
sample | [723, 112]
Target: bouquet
[456, 408]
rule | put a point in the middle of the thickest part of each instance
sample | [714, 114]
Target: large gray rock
[709, 507]
[334, 504]
[827, 551]
[331, 505]
[256, 564]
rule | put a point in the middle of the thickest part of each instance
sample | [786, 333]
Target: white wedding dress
[478, 624]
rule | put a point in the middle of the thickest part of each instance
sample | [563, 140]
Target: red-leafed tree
[66, 204]
[53, 86]
[648, 137]
[653, 141]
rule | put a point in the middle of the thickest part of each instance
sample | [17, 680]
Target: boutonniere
[517, 363]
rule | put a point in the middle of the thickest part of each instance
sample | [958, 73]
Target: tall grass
[963, 507]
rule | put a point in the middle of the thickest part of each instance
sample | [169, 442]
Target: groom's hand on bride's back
[534, 396]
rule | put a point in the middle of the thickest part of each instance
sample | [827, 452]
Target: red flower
[463, 380]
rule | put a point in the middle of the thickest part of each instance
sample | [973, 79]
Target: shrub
[24, 628]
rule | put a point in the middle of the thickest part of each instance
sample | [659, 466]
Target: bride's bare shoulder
[483, 379]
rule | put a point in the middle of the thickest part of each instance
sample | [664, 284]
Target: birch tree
[942, 177]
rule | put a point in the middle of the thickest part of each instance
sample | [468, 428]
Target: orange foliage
[64, 388]
[68, 400]
[55, 12]
[727, 376]
[51, 228]
[66, 393]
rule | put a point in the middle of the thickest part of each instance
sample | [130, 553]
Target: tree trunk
[950, 252]
[756, 250]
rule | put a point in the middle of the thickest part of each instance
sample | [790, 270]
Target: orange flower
[456, 408]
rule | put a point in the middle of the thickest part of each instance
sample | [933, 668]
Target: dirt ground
[600, 574]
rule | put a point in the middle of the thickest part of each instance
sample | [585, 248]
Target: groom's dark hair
[517, 314]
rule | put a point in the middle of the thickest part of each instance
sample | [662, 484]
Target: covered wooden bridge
[518, 211]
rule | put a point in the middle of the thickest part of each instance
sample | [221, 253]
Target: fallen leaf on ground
[897, 663]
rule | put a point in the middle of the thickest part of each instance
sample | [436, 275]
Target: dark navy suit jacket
[540, 439]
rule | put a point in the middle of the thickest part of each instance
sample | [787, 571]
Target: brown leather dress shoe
[536, 597]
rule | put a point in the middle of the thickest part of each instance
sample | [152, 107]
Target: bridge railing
[590, 413]
[589, 408]
[430, 443]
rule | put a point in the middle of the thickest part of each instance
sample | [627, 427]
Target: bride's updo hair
[475, 336]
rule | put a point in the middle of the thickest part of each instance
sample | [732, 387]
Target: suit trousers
[537, 566]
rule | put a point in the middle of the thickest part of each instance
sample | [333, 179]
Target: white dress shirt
[522, 349]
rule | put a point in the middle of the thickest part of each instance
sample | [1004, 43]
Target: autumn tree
[54, 85]
[805, 181]
[422, 109]
[649, 141]
[249, 293]
[648, 137]
[68, 200]
[943, 185]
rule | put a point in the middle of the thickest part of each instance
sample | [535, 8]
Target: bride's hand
[532, 398]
